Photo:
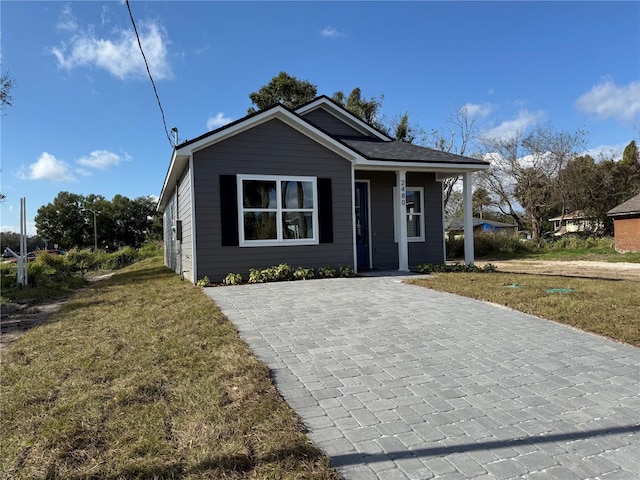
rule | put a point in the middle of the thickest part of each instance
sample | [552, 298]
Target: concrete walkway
[395, 381]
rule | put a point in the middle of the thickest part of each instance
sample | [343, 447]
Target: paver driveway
[395, 381]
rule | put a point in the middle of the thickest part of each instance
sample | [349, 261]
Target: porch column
[468, 218]
[401, 213]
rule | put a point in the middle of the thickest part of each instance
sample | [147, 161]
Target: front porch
[382, 198]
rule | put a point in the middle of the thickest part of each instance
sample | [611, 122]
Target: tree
[366, 109]
[527, 171]
[481, 200]
[6, 85]
[283, 88]
[630, 155]
[463, 131]
[68, 221]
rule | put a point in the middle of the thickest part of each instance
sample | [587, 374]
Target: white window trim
[280, 242]
[396, 224]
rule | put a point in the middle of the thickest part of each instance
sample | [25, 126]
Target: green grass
[605, 307]
[141, 376]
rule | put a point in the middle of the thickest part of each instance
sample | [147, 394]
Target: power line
[155, 90]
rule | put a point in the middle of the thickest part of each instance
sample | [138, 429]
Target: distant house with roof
[455, 227]
[310, 186]
[626, 225]
[575, 222]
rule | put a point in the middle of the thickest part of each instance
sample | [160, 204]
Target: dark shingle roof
[396, 151]
[631, 206]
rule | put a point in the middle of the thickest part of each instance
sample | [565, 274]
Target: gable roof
[342, 114]
[376, 151]
[630, 207]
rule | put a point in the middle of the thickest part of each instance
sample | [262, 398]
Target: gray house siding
[330, 124]
[168, 220]
[185, 249]
[432, 249]
[383, 246]
[272, 148]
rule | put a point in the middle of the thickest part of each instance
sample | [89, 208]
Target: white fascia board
[286, 117]
[343, 116]
[438, 168]
[176, 167]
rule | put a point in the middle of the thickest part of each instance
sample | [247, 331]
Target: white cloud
[48, 167]
[120, 55]
[330, 32]
[608, 100]
[101, 159]
[606, 152]
[67, 22]
[218, 121]
[475, 110]
[510, 128]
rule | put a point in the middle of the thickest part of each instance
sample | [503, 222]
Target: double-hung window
[414, 214]
[277, 210]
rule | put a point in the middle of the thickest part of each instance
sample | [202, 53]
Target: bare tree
[6, 85]
[463, 131]
[527, 173]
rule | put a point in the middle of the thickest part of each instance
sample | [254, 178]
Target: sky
[85, 118]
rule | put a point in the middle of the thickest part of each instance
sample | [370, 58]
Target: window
[414, 214]
[277, 210]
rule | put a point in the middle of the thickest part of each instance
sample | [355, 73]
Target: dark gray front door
[362, 225]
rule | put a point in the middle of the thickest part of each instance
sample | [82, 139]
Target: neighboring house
[309, 187]
[575, 222]
[626, 225]
[455, 227]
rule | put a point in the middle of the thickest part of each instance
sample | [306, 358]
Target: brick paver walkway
[395, 381]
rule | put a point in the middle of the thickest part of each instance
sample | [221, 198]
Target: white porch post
[401, 213]
[468, 218]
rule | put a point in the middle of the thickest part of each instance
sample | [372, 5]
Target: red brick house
[626, 225]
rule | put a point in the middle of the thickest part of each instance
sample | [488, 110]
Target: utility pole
[95, 228]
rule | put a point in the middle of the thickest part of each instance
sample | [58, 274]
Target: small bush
[120, 259]
[232, 279]
[303, 273]
[347, 272]
[283, 272]
[256, 276]
[328, 271]
[204, 282]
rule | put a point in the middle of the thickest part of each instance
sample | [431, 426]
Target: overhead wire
[155, 90]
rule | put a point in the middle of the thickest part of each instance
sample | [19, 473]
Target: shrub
[149, 250]
[256, 276]
[232, 279]
[303, 273]
[8, 275]
[489, 244]
[328, 271]
[282, 272]
[120, 259]
[347, 272]
[204, 282]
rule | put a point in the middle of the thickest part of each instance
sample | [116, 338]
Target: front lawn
[605, 307]
[141, 376]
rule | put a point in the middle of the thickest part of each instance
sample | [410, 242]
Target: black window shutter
[229, 210]
[325, 210]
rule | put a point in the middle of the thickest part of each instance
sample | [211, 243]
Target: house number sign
[403, 195]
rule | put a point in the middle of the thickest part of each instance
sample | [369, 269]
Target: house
[626, 225]
[575, 222]
[455, 227]
[309, 187]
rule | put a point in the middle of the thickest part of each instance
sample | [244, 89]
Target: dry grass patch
[606, 307]
[141, 376]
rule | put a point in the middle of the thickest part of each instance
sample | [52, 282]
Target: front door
[362, 224]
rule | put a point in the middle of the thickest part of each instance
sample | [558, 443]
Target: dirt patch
[571, 268]
[18, 317]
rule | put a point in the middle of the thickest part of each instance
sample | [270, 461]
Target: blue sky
[85, 119]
